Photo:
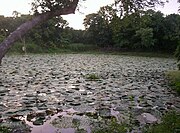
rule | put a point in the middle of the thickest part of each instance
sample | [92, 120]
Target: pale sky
[75, 20]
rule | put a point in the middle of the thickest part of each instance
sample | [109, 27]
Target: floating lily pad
[82, 82]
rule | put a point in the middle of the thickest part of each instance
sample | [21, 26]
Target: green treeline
[145, 31]
[148, 31]
[48, 37]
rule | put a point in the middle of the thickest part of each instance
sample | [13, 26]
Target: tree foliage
[39, 6]
[146, 37]
[146, 30]
[126, 7]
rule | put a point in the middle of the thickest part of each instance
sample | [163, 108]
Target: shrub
[174, 78]
[79, 47]
[170, 124]
[177, 55]
[4, 129]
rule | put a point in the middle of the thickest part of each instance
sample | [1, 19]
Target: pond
[55, 93]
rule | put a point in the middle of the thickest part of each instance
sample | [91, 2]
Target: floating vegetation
[77, 92]
[92, 77]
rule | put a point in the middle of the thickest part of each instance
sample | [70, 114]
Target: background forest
[147, 31]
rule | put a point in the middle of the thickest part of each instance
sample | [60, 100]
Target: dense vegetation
[174, 78]
[149, 31]
[146, 31]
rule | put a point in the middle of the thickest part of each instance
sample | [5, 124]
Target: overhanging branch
[25, 27]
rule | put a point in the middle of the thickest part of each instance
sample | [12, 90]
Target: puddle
[67, 121]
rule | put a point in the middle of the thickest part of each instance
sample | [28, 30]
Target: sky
[75, 20]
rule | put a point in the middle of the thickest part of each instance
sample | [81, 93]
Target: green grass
[174, 80]
[148, 54]
[30, 48]
[78, 48]
[170, 124]
[67, 48]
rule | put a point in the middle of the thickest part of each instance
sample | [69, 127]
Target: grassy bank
[68, 48]
[174, 80]
[170, 124]
[143, 54]
[32, 48]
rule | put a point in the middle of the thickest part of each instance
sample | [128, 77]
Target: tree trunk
[25, 27]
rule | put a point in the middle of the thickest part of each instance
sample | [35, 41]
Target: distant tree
[127, 7]
[177, 54]
[97, 28]
[16, 14]
[77, 36]
[172, 32]
[49, 34]
[146, 37]
[124, 31]
[147, 30]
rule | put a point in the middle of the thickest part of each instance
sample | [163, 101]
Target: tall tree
[98, 30]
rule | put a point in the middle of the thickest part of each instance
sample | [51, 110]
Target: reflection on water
[47, 128]
[67, 121]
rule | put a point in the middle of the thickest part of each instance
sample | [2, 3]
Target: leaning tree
[43, 11]
[47, 9]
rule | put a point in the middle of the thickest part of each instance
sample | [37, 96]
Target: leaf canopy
[39, 6]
